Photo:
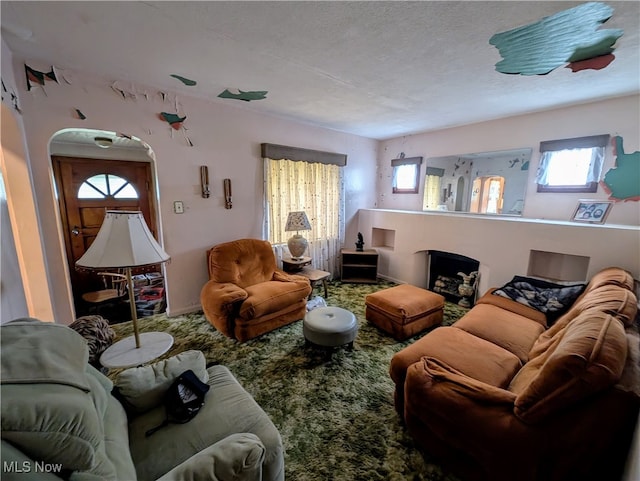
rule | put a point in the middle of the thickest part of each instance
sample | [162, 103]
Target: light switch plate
[178, 207]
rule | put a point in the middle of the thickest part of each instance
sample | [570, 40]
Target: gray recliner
[60, 419]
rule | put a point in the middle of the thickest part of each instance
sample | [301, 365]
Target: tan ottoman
[405, 310]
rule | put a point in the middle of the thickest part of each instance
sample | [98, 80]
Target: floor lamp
[124, 242]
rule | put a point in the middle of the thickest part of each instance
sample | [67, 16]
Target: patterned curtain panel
[432, 192]
[316, 189]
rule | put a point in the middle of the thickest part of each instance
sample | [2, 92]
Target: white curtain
[432, 192]
[568, 163]
[315, 188]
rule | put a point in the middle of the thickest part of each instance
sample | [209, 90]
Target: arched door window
[106, 185]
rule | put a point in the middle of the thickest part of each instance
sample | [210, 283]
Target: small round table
[124, 353]
[330, 326]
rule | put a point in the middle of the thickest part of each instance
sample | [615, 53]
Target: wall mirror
[485, 183]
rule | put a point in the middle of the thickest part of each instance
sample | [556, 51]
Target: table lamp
[297, 221]
[124, 241]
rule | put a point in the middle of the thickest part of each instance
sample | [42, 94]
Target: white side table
[124, 353]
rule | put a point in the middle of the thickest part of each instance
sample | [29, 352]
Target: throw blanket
[546, 297]
[32, 351]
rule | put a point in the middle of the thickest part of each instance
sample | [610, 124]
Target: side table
[315, 276]
[360, 266]
[125, 354]
[294, 265]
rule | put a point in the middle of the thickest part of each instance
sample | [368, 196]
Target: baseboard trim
[391, 279]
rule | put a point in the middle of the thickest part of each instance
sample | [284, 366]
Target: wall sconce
[227, 193]
[204, 181]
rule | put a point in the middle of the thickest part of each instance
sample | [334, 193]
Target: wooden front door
[87, 188]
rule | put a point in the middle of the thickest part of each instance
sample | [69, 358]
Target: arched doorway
[487, 194]
[96, 171]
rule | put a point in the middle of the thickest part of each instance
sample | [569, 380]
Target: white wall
[502, 245]
[226, 137]
[619, 116]
[21, 205]
[13, 303]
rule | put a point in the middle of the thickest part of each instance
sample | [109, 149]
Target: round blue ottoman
[330, 327]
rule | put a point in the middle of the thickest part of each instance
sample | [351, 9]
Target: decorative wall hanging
[63, 74]
[570, 36]
[227, 193]
[173, 119]
[622, 182]
[596, 63]
[204, 181]
[246, 96]
[14, 102]
[128, 92]
[13, 97]
[592, 211]
[176, 123]
[184, 80]
[35, 77]
[125, 94]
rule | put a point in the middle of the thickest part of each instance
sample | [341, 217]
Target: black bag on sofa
[183, 399]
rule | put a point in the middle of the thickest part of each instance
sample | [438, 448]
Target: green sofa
[61, 420]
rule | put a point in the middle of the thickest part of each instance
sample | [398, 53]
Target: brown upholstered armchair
[246, 295]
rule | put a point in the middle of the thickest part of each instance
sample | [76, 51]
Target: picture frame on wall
[592, 211]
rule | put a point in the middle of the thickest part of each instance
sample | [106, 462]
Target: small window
[406, 175]
[571, 165]
[106, 185]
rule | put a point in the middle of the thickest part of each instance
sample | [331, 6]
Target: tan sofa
[246, 295]
[501, 396]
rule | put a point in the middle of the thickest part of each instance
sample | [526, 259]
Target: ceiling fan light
[103, 142]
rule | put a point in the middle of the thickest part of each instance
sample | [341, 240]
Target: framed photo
[593, 211]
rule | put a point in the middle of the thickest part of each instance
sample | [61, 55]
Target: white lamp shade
[297, 221]
[124, 240]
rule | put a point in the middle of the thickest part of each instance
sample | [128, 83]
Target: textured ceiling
[376, 69]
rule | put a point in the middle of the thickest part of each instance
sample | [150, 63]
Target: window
[106, 185]
[406, 175]
[313, 187]
[571, 165]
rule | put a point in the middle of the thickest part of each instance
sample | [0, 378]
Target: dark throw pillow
[551, 299]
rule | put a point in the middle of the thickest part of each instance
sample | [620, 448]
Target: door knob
[75, 230]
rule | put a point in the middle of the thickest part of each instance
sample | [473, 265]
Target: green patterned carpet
[334, 409]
